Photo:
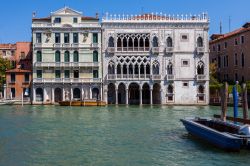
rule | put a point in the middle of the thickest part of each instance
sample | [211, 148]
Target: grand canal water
[106, 136]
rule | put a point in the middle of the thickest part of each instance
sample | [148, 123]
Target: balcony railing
[94, 45]
[200, 50]
[155, 50]
[169, 50]
[133, 77]
[111, 49]
[133, 49]
[67, 80]
[67, 64]
[169, 77]
[200, 77]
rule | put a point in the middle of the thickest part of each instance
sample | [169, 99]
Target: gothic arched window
[169, 42]
[111, 42]
[200, 42]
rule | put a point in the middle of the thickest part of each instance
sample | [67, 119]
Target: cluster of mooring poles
[224, 103]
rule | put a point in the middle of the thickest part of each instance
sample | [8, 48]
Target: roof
[89, 18]
[18, 71]
[42, 19]
[219, 37]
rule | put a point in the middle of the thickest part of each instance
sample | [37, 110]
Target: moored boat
[222, 134]
[83, 103]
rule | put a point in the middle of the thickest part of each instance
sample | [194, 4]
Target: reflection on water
[54, 135]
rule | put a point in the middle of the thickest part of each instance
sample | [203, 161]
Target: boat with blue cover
[225, 135]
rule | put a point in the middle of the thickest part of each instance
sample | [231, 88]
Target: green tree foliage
[4, 65]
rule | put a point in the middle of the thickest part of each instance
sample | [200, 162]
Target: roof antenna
[220, 27]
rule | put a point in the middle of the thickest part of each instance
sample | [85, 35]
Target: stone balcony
[200, 50]
[155, 50]
[133, 49]
[67, 80]
[66, 45]
[111, 50]
[201, 77]
[67, 64]
[169, 77]
[133, 77]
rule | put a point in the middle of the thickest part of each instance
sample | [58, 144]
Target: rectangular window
[38, 38]
[184, 63]
[227, 61]
[75, 37]
[4, 53]
[57, 20]
[39, 56]
[58, 73]
[66, 37]
[26, 92]
[242, 39]
[236, 77]
[95, 37]
[218, 47]
[66, 73]
[235, 42]
[219, 62]
[242, 60]
[57, 38]
[224, 61]
[76, 73]
[12, 53]
[95, 73]
[13, 92]
[184, 37]
[22, 56]
[39, 74]
[75, 20]
[13, 77]
[225, 44]
[185, 84]
[26, 77]
[235, 59]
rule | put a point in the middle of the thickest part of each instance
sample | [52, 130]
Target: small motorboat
[83, 103]
[225, 135]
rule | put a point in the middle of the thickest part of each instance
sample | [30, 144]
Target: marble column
[34, 95]
[90, 92]
[63, 94]
[126, 96]
[116, 96]
[140, 96]
[52, 95]
[44, 96]
[71, 93]
[151, 96]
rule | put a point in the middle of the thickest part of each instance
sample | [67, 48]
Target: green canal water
[106, 136]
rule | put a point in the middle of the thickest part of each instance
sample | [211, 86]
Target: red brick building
[231, 53]
[18, 80]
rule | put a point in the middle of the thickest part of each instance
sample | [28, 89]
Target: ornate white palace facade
[67, 62]
[155, 59]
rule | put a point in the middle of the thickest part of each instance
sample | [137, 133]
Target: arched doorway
[111, 93]
[156, 94]
[58, 95]
[134, 94]
[121, 94]
[77, 94]
[145, 94]
[95, 93]
[39, 94]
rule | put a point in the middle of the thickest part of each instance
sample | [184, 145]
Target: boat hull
[219, 139]
[82, 103]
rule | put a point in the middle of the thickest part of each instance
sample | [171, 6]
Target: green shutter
[39, 56]
[58, 74]
[57, 56]
[95, 38]
[95, 56]
[95, 73]
[76, 56]
[66, 56]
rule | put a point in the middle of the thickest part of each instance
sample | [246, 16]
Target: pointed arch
[199, 42]
[111, 42]
[200, 68]
[169, 42]
[155, 41]
[170, 68]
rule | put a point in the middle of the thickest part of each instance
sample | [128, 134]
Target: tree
[4, 65]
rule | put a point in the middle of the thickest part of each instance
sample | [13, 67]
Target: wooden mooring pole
[224, 94]
[244, 101]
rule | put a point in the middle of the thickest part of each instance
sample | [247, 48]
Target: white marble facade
[155, 59]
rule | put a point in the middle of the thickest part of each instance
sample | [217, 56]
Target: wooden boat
[222, 134]
[83, 103]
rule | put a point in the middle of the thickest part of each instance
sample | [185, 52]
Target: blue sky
[16, 15]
